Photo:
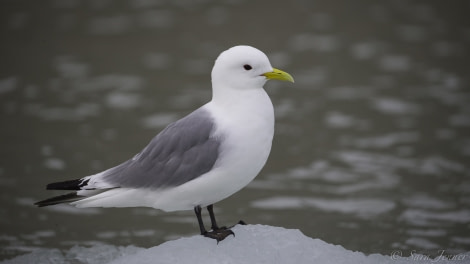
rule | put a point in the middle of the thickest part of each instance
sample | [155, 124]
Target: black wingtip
[66, 198]
[74, 185]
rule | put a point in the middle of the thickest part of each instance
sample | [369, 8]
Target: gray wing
[183, 151]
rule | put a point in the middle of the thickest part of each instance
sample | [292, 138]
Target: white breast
[247, 132]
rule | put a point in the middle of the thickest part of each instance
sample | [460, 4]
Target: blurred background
[372, 144]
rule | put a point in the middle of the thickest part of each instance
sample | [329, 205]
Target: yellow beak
[277, 74]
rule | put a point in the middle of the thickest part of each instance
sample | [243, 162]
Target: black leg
[216, 233]
[210, 209]
[197, 210]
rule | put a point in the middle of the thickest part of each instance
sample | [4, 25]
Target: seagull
[199, 160]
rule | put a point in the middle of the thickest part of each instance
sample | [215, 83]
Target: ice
[97, 254]
[252, 244]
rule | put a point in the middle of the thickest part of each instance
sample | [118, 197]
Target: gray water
[372, 145]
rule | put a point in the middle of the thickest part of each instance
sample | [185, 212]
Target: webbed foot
[219, 234]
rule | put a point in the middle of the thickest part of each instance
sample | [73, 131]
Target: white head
[244, 67]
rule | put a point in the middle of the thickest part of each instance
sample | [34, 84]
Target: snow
[252, 244]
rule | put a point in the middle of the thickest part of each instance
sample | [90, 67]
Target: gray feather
[183, 151]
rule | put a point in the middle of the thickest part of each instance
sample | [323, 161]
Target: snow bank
[252, 244]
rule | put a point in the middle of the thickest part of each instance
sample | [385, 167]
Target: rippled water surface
[372, 143]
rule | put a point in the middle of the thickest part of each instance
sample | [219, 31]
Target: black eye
[247, 67]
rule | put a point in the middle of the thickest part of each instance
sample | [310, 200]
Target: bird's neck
[251, 107]
[242, 100]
